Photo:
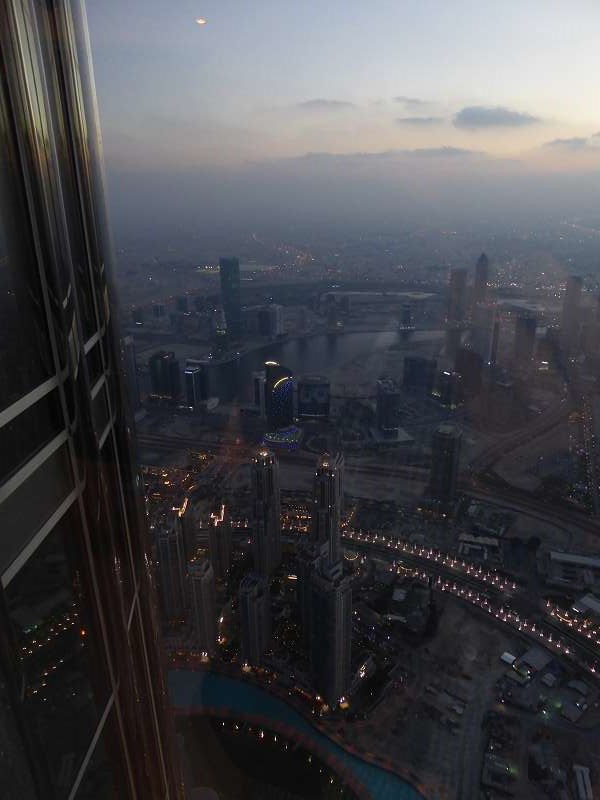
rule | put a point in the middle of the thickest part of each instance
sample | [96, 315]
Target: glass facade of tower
[82, 701]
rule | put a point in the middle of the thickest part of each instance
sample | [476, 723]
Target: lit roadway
[486, 590]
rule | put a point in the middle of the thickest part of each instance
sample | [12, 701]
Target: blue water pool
[197, 691]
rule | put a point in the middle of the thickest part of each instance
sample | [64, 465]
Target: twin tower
[324, 593]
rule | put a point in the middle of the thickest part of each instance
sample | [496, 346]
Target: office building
[255, 617]
[331, 634]
[448, 388]
[196, 389]
[266, 513]
[159, 310]
[219, 542]
[170, 565]
[81, 689]
[204, 606]
[388, 405]
[445, 461]
[165, 379]
[457, 295]
[570, 319]
[525, 332]
[279, 395]
[328, 501]
[314, 397]
[419, 374]
[231, 298]
[482, 276]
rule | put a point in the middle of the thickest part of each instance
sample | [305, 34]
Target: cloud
[419, 121]
[576, 143]
[381, 155]
[444, 152]
[474, 117]
[411, 102]
[320, 104]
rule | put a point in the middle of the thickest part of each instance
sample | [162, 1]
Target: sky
[423, 92]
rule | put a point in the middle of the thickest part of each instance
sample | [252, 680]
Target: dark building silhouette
[419, 374]
[314, 394]
[457, 295]
[231, 298]
[331, 633]
[570, 319]
[266, 513]
[448, 388]
[165, 378]
[220, 542]
[196, 386]
[81, 691]
[469, 365]
[255, 617]
[203, 605]
[482, 276]
[445, 459]
[525, 331]
[328, 501]
[388, 405]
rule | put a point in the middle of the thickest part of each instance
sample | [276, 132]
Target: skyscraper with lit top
[266, 513]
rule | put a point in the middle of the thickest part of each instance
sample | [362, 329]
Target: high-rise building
[570, 319]
[448, 388]
[266, 513]
[259, 384]
[231, 298]
[185, 518]
[219, 542]
[482, 276]
[270, 321]
[255, 617]
[328, 500]
[204, 605]
[331, 634]
[388, 405]
[445, 460]
[314, 396]
[279, 395]
[81, 691]
[419, 374]
[469, 365]
[170, 558]
[457, 295]
[165, 379]
[484, 331]
[195, 387]
[310, 557]
[525, 331]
